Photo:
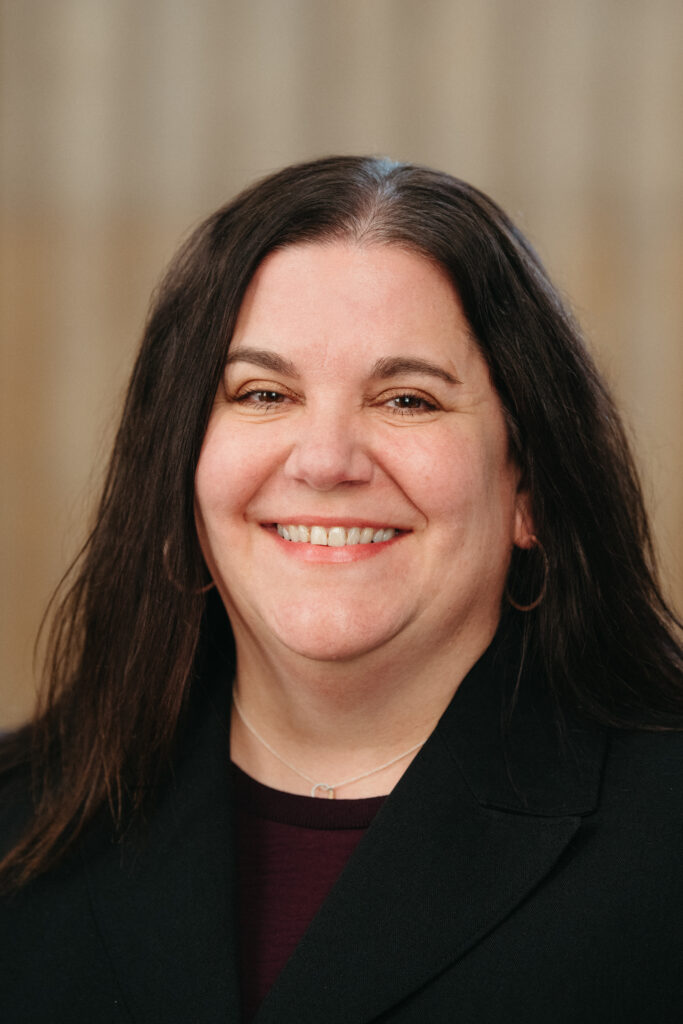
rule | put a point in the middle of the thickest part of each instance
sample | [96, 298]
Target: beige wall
[125, 121]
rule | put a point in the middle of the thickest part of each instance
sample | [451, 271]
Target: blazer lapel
[474, 825]
[164, 900]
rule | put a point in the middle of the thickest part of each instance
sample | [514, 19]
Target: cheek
[462, 477]
[442, 474]
[230, 469]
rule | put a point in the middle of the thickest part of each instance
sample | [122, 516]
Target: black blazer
[504, 881]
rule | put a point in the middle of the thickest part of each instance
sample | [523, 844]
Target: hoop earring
[178, 586]
[546, 573]
[204, 590]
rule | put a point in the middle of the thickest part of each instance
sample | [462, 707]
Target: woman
[362, 425]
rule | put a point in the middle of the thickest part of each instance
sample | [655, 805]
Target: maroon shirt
[290, 851]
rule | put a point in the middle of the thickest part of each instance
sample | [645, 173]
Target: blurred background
[124, 122]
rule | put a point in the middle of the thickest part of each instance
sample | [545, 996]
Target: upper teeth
[335, 536]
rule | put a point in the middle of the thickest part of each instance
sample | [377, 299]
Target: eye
[261, 399]
[406, 403]
[262, 396]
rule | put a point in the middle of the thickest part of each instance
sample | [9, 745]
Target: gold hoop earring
[546, 573]
[204, 590]
[178, 586]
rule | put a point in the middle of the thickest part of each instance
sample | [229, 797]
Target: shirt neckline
[260, 801]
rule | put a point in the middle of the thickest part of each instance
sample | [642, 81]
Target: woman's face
[355, 401]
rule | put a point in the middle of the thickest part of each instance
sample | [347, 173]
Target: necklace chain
[321, 788]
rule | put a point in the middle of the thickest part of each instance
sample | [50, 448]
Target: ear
[524, 534]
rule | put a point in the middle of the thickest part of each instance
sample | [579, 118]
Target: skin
[348, 656]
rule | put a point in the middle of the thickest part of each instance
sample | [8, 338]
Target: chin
[334, 637]
[328, 653]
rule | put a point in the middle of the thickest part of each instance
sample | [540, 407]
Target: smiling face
[355, 401]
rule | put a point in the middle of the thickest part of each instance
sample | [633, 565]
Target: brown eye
[408, 403]
[261, 396]
[267, 396]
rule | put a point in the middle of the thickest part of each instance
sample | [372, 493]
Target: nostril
[324, 465]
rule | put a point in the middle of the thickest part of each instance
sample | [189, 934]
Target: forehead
[353, 298]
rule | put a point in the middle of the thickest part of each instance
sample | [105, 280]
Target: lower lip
[322, 554]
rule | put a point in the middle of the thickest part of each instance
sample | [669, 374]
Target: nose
[329, 450]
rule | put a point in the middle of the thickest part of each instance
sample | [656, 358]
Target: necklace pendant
[321, 789]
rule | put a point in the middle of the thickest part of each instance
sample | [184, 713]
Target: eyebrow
[396, 365]
[262, 357]
[383, 369]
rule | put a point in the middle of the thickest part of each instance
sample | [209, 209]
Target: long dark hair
[127, 638]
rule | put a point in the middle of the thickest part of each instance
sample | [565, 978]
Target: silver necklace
[321, 788]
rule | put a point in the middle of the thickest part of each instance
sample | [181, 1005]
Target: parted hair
[132, 621]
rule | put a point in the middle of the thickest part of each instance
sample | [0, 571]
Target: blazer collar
[512, 743]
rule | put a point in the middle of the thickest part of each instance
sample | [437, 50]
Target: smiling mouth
[335, 536]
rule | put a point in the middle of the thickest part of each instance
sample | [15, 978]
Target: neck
[335, 720]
